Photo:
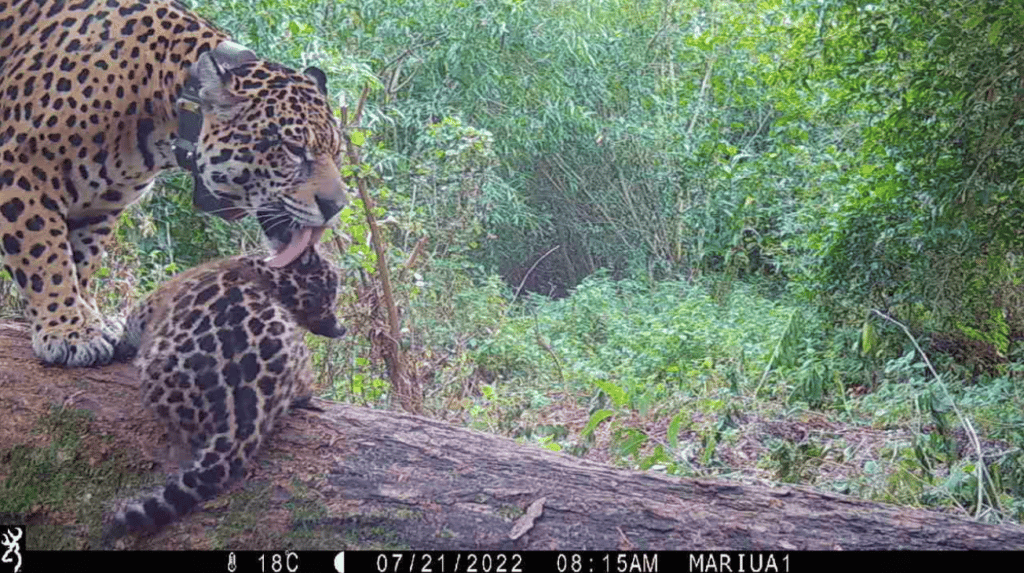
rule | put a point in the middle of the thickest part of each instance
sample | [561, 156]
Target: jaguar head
[270, 147]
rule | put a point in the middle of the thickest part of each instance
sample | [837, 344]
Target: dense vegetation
[771, 240]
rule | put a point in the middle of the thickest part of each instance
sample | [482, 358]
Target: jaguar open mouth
[286, 238]
[299, 240]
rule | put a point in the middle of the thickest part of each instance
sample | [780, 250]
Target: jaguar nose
[328, 207]
[329, 328]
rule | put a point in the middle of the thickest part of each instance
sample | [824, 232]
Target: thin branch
[403, 388]
[980, 468]
[665, 22]
[410, 50]
[409, 262]
[362, 103]
[703, 91]
[547, 348]
[527, 275]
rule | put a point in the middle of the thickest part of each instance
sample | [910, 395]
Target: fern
[785, 351]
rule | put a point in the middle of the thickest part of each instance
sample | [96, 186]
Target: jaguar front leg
[36, 243]
[89, 238]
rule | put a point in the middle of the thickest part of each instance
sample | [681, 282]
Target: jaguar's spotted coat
[222, 356]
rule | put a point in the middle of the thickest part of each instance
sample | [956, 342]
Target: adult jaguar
[99, 96]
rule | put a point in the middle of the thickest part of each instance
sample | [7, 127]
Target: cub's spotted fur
[222, 356]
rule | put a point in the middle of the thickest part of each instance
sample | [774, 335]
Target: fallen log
[351, 477]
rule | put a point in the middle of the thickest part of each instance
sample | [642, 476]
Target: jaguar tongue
[301, 238]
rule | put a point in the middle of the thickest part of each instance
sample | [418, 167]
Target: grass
[63, 483]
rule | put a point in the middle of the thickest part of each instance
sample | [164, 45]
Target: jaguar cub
[221, 351]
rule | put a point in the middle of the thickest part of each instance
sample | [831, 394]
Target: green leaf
[994, 32]
[357, 137]
[614, 392]
[595, 419]
[658, 455]
[673, 430]
[632, 442]
[549, 443]
[868, 338]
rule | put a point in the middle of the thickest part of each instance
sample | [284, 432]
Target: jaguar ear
[318, 75]
[212, 69]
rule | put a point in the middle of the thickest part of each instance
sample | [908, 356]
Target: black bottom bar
[499, 561]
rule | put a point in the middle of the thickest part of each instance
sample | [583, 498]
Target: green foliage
[606, 330]
[637, 136]
[165, 235]
[931, 207]
[452, 191]
[796, 463]
[634, 350]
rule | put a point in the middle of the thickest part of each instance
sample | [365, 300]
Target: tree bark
[351, 478]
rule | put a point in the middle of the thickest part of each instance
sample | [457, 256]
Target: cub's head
[308, 287]
[270, 147]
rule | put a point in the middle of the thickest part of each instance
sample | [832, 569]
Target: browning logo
[12, 542]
